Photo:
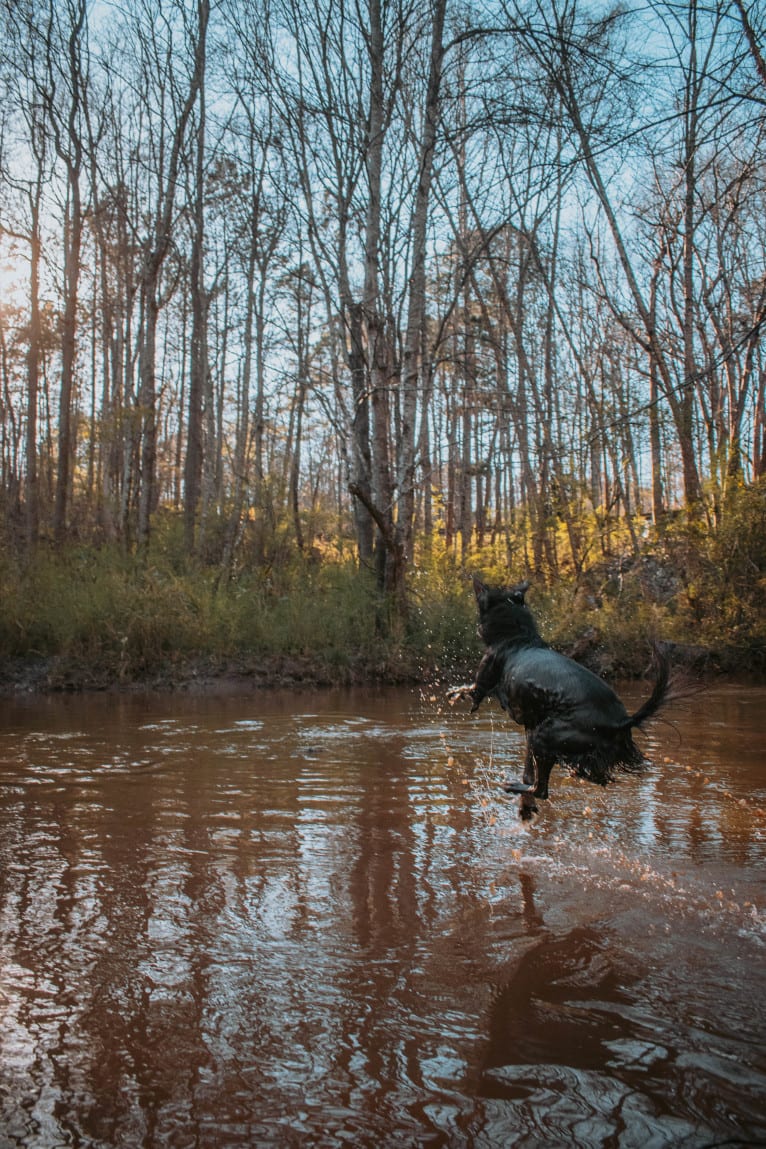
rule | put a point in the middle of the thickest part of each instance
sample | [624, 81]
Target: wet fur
[570, 715]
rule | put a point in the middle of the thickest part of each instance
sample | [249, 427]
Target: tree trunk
[147, 401]
[33, 372]
[198, 365]
[66, 443]
[69, 145]
[372, 464]
[655, 442]
[685, 405]
[158, 248]
[416, 302]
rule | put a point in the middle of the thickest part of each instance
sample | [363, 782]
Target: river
[315, 919]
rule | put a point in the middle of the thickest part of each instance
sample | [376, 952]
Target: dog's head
[503, 614]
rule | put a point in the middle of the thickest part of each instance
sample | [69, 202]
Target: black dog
[570, 715]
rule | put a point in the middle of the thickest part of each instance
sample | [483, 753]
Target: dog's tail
[660, 692]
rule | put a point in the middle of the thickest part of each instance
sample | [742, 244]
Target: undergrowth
[110, 616]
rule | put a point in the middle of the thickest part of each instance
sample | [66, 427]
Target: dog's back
[538, 681]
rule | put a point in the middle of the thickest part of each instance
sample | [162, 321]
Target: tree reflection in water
[287, 921]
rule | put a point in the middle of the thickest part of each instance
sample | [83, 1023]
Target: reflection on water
[315, 920]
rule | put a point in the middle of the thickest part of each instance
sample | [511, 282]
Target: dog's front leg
[455, 693]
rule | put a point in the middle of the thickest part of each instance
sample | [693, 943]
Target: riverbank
[98, 619]
[202, 674]
[208, 675]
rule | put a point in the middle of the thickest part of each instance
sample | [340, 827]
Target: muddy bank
[305, 672]
[59, 675]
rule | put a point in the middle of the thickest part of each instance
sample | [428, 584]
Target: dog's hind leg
[526, 788]
[527, 804]
[544, 766]
[542, 751]
[528, 778]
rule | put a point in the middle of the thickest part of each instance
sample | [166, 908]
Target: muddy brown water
[286, 920]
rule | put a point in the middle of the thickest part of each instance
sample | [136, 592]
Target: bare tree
[416, 300]
[199, 363]
[155, 34]
[56, 52]
[25, 71]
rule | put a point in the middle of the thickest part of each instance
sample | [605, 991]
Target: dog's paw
[527, 808]
[456, 693]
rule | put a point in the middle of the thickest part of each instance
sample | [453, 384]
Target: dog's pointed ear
[479, 587]
[518, 592]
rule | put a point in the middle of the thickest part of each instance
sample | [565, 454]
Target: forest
[308, 309]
